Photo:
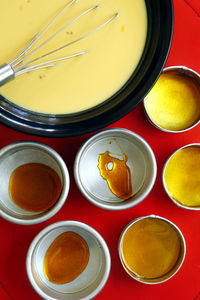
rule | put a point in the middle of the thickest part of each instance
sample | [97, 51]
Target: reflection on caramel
[174, 101]
[150, 248]
[66, 258]
[116, 173]
[182, 176]
[34, 187]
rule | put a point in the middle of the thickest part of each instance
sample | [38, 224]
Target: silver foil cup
[182, 70]
[89, 283]
[176, 267]
[176, 201]
[141, 162]
[20, 153]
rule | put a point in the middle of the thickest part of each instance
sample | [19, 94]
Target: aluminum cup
[17, 154]
[190, 74]
[178, 203]
[176, 267]
[141, 162]
[89, 283]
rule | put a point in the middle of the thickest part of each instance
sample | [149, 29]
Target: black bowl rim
[105, 113]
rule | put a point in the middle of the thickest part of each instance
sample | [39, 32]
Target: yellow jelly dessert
[174, 101]
[182, 176]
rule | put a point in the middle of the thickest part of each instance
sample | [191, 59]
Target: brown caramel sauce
[117, 174]
[66, 258]
[150, 248]
[34, 187]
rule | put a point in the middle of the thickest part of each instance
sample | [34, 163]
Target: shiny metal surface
[182, 70]
[141, 162]
[19, 153]
[89, 283]
[6, 74]
[174, 269]
[164, 183]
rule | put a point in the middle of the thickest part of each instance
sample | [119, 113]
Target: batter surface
[81, 82]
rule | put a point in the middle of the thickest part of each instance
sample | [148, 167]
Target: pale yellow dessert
[174, 101]
[182, 176]
[113, 52]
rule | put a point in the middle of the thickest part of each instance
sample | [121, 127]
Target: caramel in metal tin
[34, 187]
[66, 258]
[117, 174]
[150, 248]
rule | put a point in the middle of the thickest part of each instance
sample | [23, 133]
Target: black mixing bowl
[159, 36]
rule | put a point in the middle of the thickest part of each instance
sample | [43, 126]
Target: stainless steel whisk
[17, 66]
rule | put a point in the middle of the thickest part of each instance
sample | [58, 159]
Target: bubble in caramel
[117, 174]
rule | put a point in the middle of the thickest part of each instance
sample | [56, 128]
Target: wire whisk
[18, 66]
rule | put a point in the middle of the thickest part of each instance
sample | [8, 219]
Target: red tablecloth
[185, 285]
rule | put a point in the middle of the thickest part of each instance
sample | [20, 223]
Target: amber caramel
[150, 248]
[34, 187]
[117, 174]
[66, 258]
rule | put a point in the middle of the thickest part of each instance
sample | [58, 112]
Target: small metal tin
[173, 271]
[141, 161]
[17, 154]
[181, 70]
[89, 283]
[187, 175]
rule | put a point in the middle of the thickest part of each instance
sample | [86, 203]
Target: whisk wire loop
[50, 63]
[18, 66]
[55, 34]
[69, 44]
[39, 35]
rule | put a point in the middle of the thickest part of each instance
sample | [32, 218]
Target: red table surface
[15, 239]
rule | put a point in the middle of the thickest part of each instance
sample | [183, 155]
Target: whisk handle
[6, 74]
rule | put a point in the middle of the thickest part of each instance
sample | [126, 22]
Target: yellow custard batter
[113, 52]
